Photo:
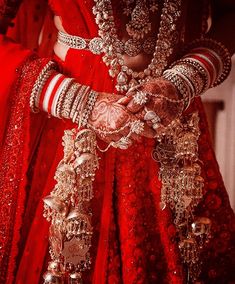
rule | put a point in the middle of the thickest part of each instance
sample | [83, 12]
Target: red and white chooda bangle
[200, 69]
[61, 96]
[55, 87]
[209, 61]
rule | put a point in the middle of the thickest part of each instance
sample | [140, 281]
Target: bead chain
[166, 39]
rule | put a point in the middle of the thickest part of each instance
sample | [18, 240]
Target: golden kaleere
[182, 187]
[67, 207]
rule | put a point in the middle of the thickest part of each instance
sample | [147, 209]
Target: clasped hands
[144, 111]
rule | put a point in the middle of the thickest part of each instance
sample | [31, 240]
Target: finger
[135, 137]
[133, 89]
[148, 132]
[124, 100]
[140, 115]
[134, 107]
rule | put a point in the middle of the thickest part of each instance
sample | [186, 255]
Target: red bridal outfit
[134, 241]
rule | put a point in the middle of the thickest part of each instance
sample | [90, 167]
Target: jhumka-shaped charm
[182, 188]
[67, 207]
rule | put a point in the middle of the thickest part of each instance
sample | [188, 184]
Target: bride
[107, 172]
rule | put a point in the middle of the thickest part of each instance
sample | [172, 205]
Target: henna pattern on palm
[111, 117]
[164, 108]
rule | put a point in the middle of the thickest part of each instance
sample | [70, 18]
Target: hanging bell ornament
[201, 226]
[54, 274]
[54, 266]
[53, 277]
[56, 204]
[75, 278]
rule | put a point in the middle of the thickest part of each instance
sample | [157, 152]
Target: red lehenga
[134, 240]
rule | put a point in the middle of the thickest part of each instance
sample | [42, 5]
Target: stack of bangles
[62, 97]
[200, 69]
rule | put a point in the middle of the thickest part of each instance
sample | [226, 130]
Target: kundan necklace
[167, 37]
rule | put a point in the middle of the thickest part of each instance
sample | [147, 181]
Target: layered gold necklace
[140, 24]
[137, 27]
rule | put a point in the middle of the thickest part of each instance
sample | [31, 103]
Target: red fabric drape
[134, 241]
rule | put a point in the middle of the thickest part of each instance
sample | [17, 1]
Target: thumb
[124, 100]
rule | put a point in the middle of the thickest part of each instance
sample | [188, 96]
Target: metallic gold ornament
[51, 277]
[67, 207]
[201, 226]
[56, 204]
[182, 187]
[138, 26]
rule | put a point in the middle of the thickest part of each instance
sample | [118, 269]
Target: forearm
[209, 64]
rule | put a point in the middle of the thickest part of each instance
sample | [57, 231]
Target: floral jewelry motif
[124, 143]
[67, 207]
[139, 24]
[182, 188]
[137, 127]
[166, 39]
[140, 98]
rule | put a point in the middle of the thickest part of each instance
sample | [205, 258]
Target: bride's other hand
[111, 120]
[158, 98]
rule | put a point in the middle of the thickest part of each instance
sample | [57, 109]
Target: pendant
[133, 47]
[122, 78]
[139, 25]
[75, 250]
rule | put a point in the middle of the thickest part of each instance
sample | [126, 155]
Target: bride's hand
[111, 120]
[162, 98]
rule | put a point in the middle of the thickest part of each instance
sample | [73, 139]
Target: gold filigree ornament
[182, 188]
[68, 209]
[140, 21]
[167, 37]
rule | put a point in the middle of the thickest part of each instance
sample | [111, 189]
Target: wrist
[61, 97]
[200, 69]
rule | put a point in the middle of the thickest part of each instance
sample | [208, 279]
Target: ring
[140, 98]
[156, 119]
[150, 115]
[155, 126]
